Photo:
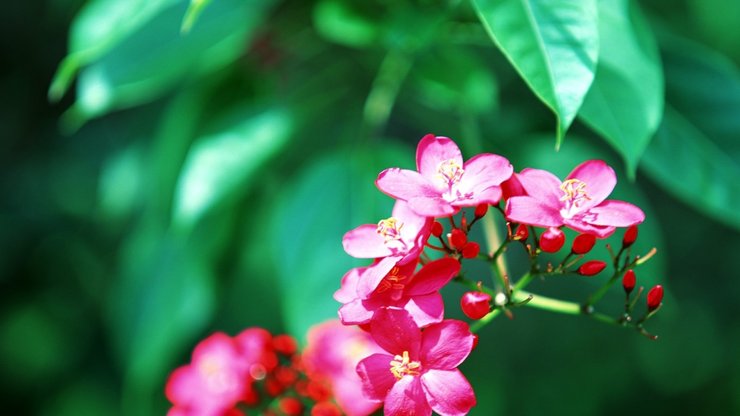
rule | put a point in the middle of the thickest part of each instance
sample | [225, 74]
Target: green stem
[560, 306]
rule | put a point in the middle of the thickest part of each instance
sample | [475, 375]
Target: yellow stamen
[402, 366]
[390, 229]
[574, 193]
[392, 281]
[450, 172]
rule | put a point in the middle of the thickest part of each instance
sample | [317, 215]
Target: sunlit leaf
[195, 8]
[553, 45]
[625, 102]
[154, 58]
[331, 196]
[219, 164]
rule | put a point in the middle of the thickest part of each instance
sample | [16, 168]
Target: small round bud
[291, 406]
[471, 250]
[480, 210]
[628, 281]
[629, 236]
[457, 239]
[436, 229]
[552, 240]
[285, 344]
[583, 243]
[501, 299]
[325, 409]
[654, 297]
[475, 305]
[591, 268]
[522, 232]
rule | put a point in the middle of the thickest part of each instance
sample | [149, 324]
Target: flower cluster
[260, 373]
[397, 298]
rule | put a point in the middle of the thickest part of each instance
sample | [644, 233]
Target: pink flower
[443, 182]
[417, 293]
[395, 241]
[214, 381]
[332, 352]
[420, 372]
[578, 202]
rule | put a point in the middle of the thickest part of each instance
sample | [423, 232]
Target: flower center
[390, 229]
[574, 196]
[394, 282]
[401, 366]
[217, 378]
[450, 172]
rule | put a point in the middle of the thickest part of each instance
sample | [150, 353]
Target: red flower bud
[475, 341]
[629, 236]
[552, 240]
[458, 239]
[475, 305]
[591, 268]
[583, 243]
[325, 409]
[471, 250]
[654, 297]
[285, 344]
[291, 406]
[436, 229]
[480, 210]
[522, 232]
[628, 281]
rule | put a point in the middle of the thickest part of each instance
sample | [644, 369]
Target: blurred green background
[169, 170]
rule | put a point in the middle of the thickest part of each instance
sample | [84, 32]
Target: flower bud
[654, 297]
[475, 305]
[591, 268]
[291, 406]
[583, 243]
[457, 239]
[285, 344]
[480, 210]
[436, 229]
[628, 281]
[522, 232]
[325, 409]
[471, 250]
[552, 240]
[629, 236]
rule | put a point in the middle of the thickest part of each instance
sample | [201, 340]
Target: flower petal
[347, 292]
[405, 184]
[528, 210]
[617, 214]
[600, 180]
[376, 376]
[395, 331]
[542, 185]
[432, 151]
[483, 171]
[374, 275]
[433, 276]
[426, 309]
[448, 392]
[432, 207]
[490, 195]
[364, 242]
[445, 345]
[414, 225]
[407, 397]
[355, 313]
[578, 224]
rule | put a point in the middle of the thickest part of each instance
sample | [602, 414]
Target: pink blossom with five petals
[419, 373]
[417, 293]
[442, 183]
[579, 202]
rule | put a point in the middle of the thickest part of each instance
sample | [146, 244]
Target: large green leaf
[330, 197]
[218, 164]
[684, 161]
[152, 59]
[625, 102]
[553, 45]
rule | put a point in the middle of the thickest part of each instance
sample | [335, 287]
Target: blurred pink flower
[443, 183]
[417, 293]
[578, 202]
[214, 381]
[419, 372]
[332, 352]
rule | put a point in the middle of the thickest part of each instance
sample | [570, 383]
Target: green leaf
[684, 161]
[219, 164]
[195, 8]
[330, 197]
[341, 22]
[625, 102]
[155, 57]
[553, 45]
